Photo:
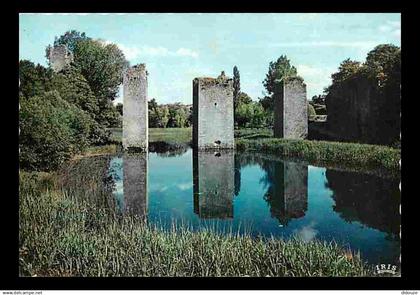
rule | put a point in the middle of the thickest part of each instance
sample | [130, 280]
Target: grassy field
[171, 135]
[62, 234]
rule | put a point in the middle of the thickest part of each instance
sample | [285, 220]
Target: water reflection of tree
[368, 199]
[165, 149]
[88, 180]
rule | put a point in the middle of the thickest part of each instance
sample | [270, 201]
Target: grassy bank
[63, 235]
[328, 152]
[171, 135]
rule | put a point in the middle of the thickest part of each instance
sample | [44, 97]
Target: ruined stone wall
[359, 111]
[59, 57]
[213, 125]
[214, 188]
[135, 109]
[135, 176]
[290, 110]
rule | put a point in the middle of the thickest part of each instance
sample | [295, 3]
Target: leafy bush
[311, 111]
[51, 131]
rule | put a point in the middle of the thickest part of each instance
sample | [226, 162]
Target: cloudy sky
[179, 47]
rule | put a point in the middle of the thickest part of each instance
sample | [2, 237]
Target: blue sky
[179, 47]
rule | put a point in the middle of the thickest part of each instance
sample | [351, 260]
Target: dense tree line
[371, 113]
[63, 113]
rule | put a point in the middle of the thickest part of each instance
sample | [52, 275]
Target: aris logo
[386, 269]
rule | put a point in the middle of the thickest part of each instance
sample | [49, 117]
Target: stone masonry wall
[213, 125]
[59, 57]
[290, 110]
[135, 109]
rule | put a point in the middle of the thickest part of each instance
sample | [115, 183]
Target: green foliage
[278, 70]
[381, 74]
[352, 155]
[250, 114]
[311, 111]
[70, 38]
[119, 108]
[63, 235]
[174, 115]
[73, 87]
[102, 65]
[236, 86]
[33, 79]
[51, 131]
[319, 99]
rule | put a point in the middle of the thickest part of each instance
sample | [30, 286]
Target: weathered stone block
[59, 57]
[290, 109]
[213, 113]
[214, 188]
[135, 109]
[135, 183]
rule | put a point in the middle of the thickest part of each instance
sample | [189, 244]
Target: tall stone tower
[59, 57]
[213, 113]
[135, 109]
[290, 109]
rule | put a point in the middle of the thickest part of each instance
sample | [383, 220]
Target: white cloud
[354, 44]
[307, 233]
[187, 52]
[391, 27]
[132, 52]
[316, 78]
[185, 186]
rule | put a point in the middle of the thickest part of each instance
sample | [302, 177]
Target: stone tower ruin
[135, 109]
[290, 109]
[213, 113]
[59, 57]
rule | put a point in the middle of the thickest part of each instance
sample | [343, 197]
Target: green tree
[119, 108]
[74, 88]
[102, 65]
[33, 79]
[70, 38]
[381, 60]
[51, 131]
[278, 70]
[311, 111]
[236, 86]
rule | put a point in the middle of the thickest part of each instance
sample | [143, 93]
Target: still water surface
[259, 195]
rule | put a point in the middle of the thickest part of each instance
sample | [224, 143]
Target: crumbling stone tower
[135, 109]
[290, 109]
[59, 57]
[213, 113]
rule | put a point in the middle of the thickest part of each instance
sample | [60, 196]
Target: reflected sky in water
[255, 194]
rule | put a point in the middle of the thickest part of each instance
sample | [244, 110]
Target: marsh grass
[62, 234]
[327, 152]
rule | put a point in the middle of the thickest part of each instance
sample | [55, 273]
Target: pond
[260, 195]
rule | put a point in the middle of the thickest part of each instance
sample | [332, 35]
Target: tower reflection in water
[135, 168]
[214, 183]
[217, 180]
[287, 194]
